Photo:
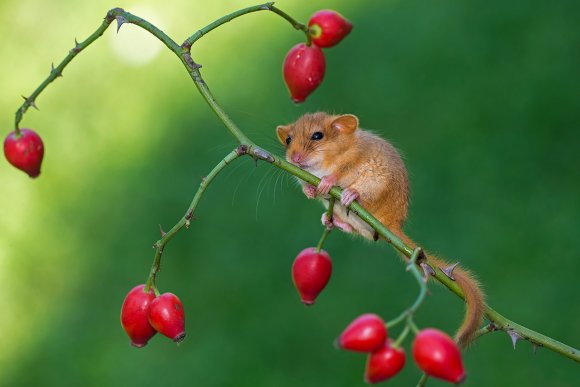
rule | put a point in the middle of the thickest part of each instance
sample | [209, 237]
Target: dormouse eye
[317, 136]
[288, 140]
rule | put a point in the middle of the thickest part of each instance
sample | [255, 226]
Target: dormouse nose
[297, 157]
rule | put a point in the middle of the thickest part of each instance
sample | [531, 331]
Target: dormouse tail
[474, 297]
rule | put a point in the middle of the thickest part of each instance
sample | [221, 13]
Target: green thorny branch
[247, 147]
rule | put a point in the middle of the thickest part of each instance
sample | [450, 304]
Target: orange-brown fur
[370, 166]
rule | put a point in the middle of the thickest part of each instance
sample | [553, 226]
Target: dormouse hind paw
[336, 221]
[326, 222]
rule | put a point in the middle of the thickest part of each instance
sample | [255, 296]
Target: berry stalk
[327, 230]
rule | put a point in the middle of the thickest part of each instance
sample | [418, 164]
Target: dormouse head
[316, 136]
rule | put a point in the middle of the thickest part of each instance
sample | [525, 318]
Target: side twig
[408, 314]
[184, 221]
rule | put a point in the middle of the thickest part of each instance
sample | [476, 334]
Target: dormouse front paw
[309, 191]
[348, 196]
[326, 184]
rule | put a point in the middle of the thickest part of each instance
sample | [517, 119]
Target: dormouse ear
[282, 132]
[347, 123]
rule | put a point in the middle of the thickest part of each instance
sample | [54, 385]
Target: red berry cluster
[143, 315]
[25, 151]
[305, 65]
[434, 352]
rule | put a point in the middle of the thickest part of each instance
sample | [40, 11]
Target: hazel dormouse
[370, 170]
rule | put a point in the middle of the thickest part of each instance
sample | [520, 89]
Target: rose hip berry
[166, 315]
[303, 70]
[134, 316]
[24, 151]
[366, 333]
[438, 356]
[327, 28]
[384, 363]
[311, 271]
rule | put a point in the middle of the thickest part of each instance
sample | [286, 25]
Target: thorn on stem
[120, 21]
[515, 336]
[30, 102]
[163, 233]
[427, 271]
[263, 155]
[375, 236]
[77, 48]
[535, 347]
[54, 71]
[268, 5]
[448, 271]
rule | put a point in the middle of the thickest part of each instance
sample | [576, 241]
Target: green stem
[412, 267]
[502, 323]
[229, 17]
[185, 220]
[402, 336]
[126, 17]
[327, 230]
[193, 70]
[195, 74]
[55, 72]
[291, 20]
[484, 330]
[412, 324]
[423, 381]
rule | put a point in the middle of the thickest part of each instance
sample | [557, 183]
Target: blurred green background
[482, 98]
